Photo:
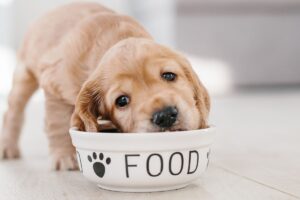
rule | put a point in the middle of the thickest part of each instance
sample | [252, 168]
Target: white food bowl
[143, 162]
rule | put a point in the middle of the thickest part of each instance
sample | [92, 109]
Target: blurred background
[231, 43]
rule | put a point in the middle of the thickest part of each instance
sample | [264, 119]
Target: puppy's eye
[169, 76]
[122, 101]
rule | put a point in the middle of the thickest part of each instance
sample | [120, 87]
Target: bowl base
[142, 189]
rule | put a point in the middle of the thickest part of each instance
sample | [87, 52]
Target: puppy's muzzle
[166, 117]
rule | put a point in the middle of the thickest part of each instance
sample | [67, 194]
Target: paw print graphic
[99, 165]
[208, 155]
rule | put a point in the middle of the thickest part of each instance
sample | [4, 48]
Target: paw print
[79, 161]
[208, 155]
[99, 166]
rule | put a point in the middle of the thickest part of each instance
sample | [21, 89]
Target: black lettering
[170, 163]
[161, 164]
[127, 165]
[190, 158]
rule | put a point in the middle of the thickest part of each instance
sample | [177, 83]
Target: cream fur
[74, 54]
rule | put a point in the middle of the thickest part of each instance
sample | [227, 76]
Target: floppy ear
[87, 107]
[201, 95]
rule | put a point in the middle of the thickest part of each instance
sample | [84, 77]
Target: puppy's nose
[166, 117]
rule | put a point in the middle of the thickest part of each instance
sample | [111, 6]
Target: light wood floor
[256, 156]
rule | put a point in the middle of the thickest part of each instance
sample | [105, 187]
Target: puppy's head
[142, 86]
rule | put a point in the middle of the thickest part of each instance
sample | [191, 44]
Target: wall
[259, 40]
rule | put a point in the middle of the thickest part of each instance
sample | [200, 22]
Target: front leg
[58, 115]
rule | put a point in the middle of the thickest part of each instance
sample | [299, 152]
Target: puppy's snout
[166, 117]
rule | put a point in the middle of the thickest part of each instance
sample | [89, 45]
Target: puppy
[92, 62]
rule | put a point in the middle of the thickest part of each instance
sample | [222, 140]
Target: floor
[256, 156]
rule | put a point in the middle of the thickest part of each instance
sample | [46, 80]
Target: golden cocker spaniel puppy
[94, 63]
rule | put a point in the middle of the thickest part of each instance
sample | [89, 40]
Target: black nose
[166, 117]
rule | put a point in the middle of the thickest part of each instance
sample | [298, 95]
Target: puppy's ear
[87, 107]
[201, 95]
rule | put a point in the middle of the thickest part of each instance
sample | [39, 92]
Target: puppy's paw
[64, 161]
[8, 150]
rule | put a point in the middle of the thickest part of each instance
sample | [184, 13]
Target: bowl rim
[159, 141]
[139, 134]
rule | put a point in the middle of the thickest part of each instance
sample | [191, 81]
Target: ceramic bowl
[143, 162]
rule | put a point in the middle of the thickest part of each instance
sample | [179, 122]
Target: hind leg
[24, 85]
[58, 115]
